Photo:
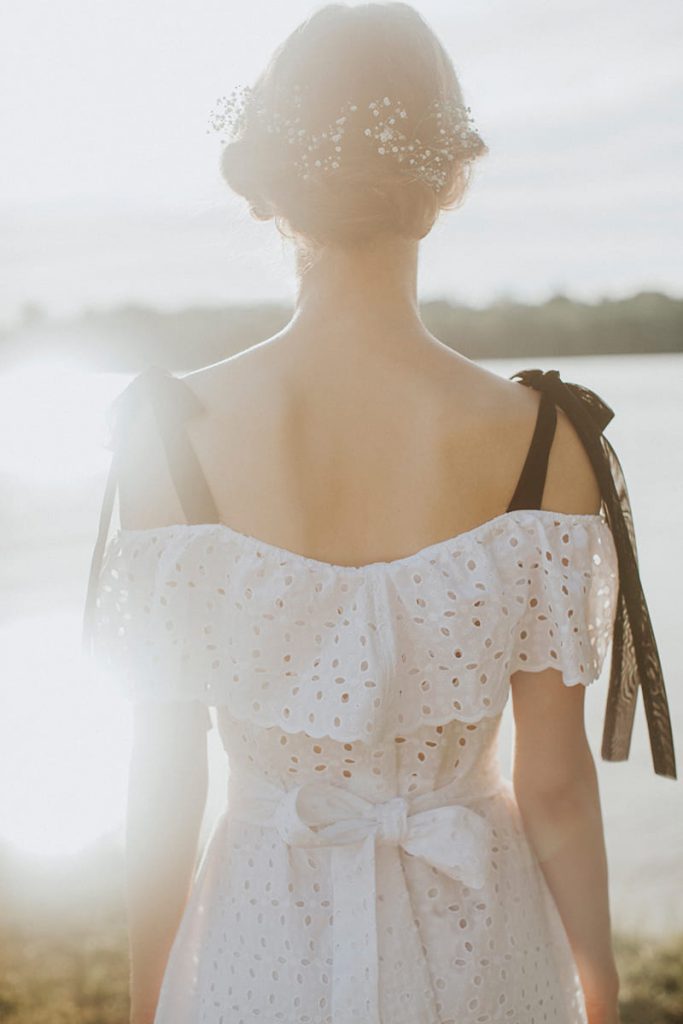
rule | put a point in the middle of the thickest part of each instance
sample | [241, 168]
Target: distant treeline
[128, 338]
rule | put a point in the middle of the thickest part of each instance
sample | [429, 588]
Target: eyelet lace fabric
[371, 866]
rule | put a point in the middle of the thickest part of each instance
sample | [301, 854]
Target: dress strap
[173, 402]
[531, 483]
[635, 658]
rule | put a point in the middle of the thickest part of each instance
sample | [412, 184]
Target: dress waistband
[436, 826]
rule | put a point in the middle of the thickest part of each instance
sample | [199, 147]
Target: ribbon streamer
[635, 658]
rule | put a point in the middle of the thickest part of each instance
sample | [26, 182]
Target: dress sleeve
[566, 583]
[123, 578]
[139, 650]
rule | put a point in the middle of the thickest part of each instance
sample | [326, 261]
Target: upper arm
[551, 746]
[170, 732]
[571, 484]
[147, 496]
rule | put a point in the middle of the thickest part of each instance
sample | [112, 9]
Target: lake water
[64, 743]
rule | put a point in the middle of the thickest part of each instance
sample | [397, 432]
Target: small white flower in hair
[453, 127]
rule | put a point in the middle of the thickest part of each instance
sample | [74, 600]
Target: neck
[362, 297]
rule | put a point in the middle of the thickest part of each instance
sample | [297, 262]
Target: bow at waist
[443, 831]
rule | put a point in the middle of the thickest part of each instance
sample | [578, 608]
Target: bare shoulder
[571, 485]
[218, 384]
[147, 495]
[242, 391]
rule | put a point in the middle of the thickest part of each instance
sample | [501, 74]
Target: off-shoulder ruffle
[205, 613]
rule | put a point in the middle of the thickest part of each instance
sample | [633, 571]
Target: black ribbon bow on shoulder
[635, 658]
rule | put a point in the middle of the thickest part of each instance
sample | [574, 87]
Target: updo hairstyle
[343, 53]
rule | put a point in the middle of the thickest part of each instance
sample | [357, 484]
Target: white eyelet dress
[370, 866]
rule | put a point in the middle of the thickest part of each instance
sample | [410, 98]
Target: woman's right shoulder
[571, 484]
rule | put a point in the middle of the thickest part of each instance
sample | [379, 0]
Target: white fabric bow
[453, 838]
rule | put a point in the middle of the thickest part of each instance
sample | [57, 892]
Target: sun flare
[64, 740]
[52, 421]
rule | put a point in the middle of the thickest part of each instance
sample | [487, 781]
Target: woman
[355, 543]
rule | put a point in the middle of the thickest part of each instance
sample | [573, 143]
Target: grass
[651, 975]
[82, 977]
[78, 978]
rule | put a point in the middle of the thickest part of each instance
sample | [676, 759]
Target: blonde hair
[371, 49]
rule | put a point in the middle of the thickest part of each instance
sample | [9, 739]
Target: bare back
[352, 459]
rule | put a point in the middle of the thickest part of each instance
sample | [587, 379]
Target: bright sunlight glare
[64, 739]
[52, 422]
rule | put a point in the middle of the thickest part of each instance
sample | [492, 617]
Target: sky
[110, 191]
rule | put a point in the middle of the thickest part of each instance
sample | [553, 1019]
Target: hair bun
[381, 49]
